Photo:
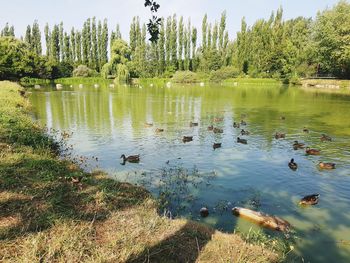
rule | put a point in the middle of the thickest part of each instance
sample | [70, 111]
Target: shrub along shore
[53, 211]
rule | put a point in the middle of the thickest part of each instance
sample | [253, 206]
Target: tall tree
[55, 43]
[61, 41]
[47, 39]
[161, 48]
[168, 42]
[28, 36]
[204, 33]
[173, 43]
[95, 54]
[181, 43]
[78, 45]
[67, 49]
[222, 30]
[36, 38]
[104, 43]
[73, 45]
[215, 36]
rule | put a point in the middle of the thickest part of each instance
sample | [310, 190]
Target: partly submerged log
[262, 219]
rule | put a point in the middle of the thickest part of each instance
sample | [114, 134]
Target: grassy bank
[330, 84]
[52, 211]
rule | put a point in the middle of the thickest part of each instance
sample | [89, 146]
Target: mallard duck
[297, 145]
[325, 138]
[236, 125]
[187, 138]
[292, 165]
[192, 124]
[218, 130]
[306, 130]
[280, 135]
[210, 128]
[327, 166]
[310, 199]
[216, 145]
[204, 212]
[243, 132]
[159, 130]
[243, 122]
[312, 151]
[147, 124]
[130, 158]
[243, 141]
[282, 118]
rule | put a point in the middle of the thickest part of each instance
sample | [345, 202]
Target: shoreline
[51, 210]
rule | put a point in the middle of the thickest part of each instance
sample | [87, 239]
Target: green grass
[46, 216]
[81, 80]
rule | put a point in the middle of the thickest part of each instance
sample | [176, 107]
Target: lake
[108, 121]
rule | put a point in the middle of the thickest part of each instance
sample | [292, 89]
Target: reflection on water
[107, 122]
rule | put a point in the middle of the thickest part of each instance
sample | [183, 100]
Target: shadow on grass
[40, 191]
[183, 246]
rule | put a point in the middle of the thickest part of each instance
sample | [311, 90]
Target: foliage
[185, 77]
[154, 23]
[84, 71]
[223, 73]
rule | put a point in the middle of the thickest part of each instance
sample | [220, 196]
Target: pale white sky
[20, 13]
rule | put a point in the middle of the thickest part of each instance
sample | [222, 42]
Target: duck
[216, 145]
[187, 138]
[243, 141]
[218, 130]
[280, 135]
[325, 138]
[192, 124]
[243, 122]
[217, 119]
[148, 124]
[292, 165]
[204, 212]
[310, 199]
[282, 118]
[327, 166]
[298, 145]
[130, 158]
[159, 130]
[306, 130]
[210, 128]
[236, 125]
[243, 132]
[312, 151]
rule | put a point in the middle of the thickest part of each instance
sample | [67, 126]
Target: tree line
[272, 47]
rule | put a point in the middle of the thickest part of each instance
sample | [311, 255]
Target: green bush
[223, 73]
[185, 77]
[84, 71]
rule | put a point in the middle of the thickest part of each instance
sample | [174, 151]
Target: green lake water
[108, 121]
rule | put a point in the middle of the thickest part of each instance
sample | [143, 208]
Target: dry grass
[45, 217]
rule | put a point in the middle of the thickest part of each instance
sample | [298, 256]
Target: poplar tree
[185, 42]
[78, 45]
[215, 36]
[55, 44]
[181, 43]
[194, 46]
[222, 30]
[88, 43]
[132, 35]
[47, 40]
[173, 43]
[73, 45]
[61, 42]
[161, 48]
[99, 42]
[67, 48]
[188, 53]
[84, 42]
[168, 42]
[36, 38]
[95, 54]
[204, 33]
[28, 37]
[104, 43]
[209, 37]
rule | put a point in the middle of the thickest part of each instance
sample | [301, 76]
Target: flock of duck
[257, 217]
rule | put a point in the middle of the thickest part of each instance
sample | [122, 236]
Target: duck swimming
[236, 125]
[147, 124]
[159, 130]
[312, 151]
[130, 158]
[216, 145]
[325, 138]
[217, 130]
[243, 132]
[187, 138]
[210, 128]
[297, 145]
[243, 122]
[243, 141]
[306, 130]
[292, 165]
[310, 199]
[193, 124]
[280, 135]
[327, 166]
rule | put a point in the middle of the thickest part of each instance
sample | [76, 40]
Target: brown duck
[130, 158]
[187, 138]
[210, 128]
[216, 145]
[297, 145]
[243, 141]
[326, 138]
[310, 199]
[159, 130]
[312, 151]
[292, 165]
[236, 125]
[218, 130]
[280, 135]
[193, 124]
[327, 166]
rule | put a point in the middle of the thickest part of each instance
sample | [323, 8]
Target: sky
[20, 13]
